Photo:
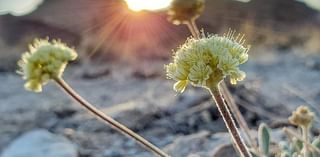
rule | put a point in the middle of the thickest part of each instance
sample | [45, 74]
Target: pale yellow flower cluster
[45, 60]
[302, 116]
[182, 11]
[208, 60]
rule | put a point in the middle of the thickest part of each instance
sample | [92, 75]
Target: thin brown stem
[239, 118]
[109, 120]
[227, 117]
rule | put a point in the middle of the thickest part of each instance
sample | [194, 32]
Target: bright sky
[245, 1]
[138, 5]
[18, 7]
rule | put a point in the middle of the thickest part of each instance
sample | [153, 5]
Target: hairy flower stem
[118, 126]
[229, 99]
[227, 117]
[305, 132]
[239, 118]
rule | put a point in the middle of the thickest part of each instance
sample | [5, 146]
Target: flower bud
[302, 117]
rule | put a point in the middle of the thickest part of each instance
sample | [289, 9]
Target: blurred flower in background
[315, 4]
[18, 7]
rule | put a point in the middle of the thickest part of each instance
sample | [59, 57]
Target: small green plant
[46, 61]
[298, 144]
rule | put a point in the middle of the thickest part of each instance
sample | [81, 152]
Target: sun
[151, 5]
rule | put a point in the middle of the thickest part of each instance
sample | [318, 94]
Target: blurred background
[122, 50]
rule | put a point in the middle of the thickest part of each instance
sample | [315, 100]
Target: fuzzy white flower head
[207, 61]
[44, 61]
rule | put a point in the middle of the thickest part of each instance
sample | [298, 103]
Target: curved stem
[96, 112]
[227, 117]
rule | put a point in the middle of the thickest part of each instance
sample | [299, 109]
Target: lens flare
[151, 5]
[116, 31]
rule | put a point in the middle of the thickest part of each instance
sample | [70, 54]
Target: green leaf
[264, 139]
[311, 154]
[297, 145]
[295, 154]
[316, 143]
[285, 154]
[253, 154]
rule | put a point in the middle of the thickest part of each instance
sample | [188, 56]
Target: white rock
[40, 143]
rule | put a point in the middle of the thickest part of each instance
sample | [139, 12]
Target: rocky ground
[139, 96]
[283, 72]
